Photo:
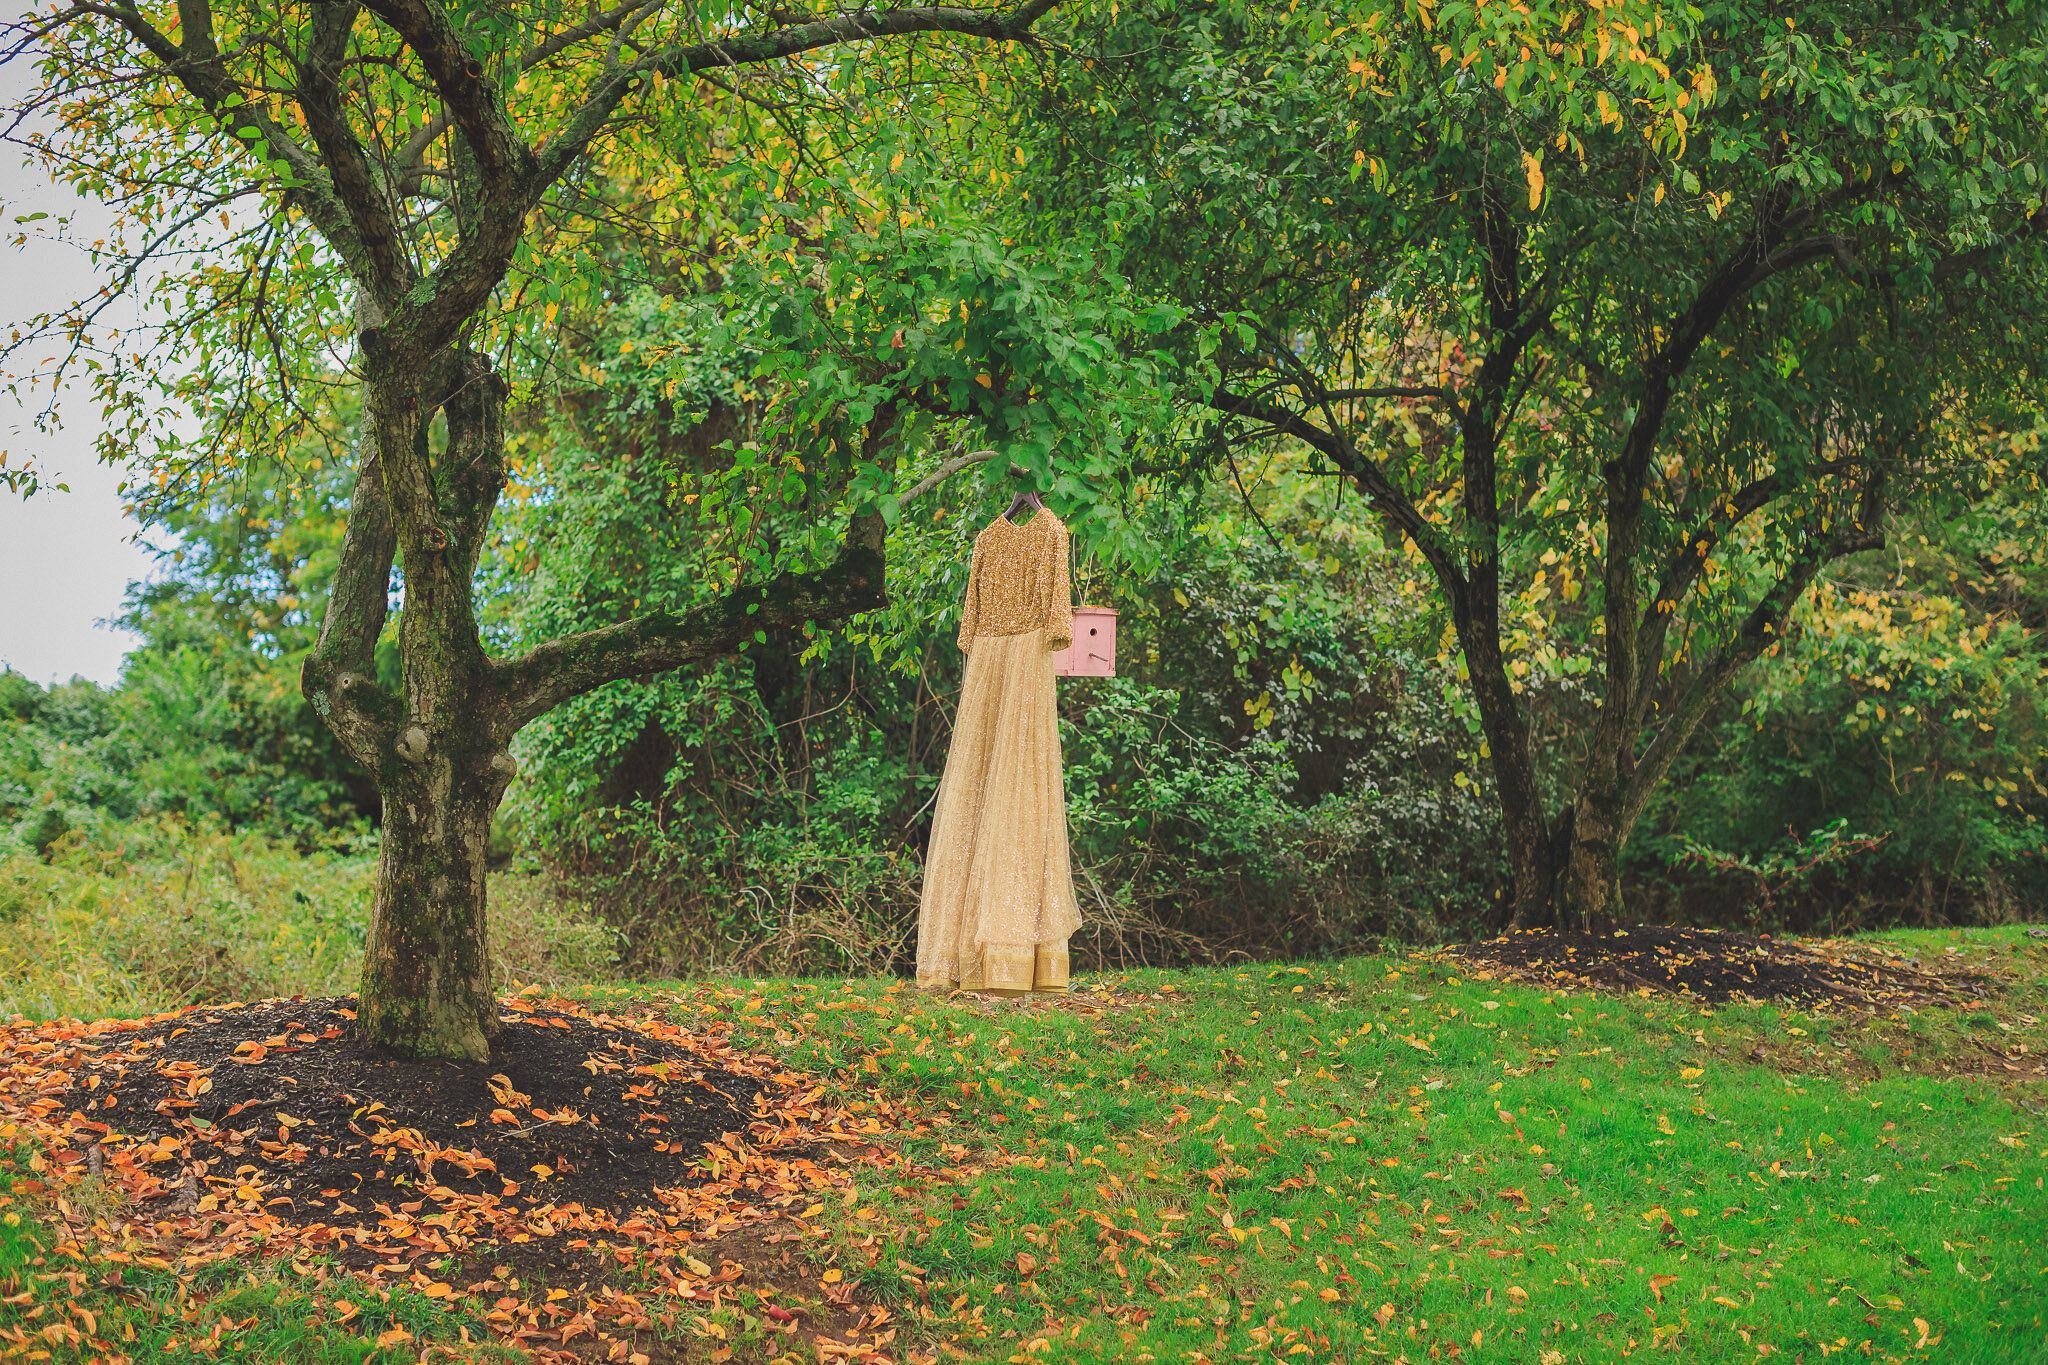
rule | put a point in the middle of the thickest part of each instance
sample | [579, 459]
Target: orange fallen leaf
[1658, 1284]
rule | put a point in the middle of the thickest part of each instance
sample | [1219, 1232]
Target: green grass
[1373, 1159]
[1250, 1160]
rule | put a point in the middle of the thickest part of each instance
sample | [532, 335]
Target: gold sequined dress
[998, 903]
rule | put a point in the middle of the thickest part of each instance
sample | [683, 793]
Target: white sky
[66, 558]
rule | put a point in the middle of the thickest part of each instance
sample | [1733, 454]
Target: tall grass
[155, 914]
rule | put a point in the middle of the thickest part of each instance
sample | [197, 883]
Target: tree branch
[554, 672]
[1683, 570]
[197, 66]
[357, 183]
[502, 157]
[1400, 514]
[1763, 627]
[1010, 25]
[949, 468]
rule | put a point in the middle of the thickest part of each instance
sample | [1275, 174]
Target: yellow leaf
[1725, 1301]
[984, 381]
[1532, 167]
[542, 1171]
[437, 1291]
[1691, 1073]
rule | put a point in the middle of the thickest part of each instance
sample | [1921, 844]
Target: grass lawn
[1372, 1159]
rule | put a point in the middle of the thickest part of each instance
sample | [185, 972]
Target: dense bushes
[1908, 719]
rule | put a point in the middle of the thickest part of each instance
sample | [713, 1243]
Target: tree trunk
[1592, 873]
[1531, 856]
[437, 749]
[426, 983]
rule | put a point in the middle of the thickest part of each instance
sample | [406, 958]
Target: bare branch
[1392, 504]
[357, 181]
[949, 468]
[657, 642]
[1763, 627]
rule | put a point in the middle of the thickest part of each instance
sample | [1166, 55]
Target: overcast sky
[65, 557]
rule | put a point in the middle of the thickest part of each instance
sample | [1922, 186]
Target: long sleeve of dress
[1059, 612]
[969, 609]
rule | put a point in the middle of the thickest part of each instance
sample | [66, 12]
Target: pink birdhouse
[1093, 653]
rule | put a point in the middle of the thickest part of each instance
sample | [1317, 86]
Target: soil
[285, 1087]
[1717, 966]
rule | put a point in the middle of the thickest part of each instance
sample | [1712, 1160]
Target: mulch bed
[1717, 966]
[590, 1140]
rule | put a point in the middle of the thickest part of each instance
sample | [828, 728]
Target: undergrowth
[152, 915]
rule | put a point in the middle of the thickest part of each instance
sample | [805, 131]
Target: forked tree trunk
[439, 756]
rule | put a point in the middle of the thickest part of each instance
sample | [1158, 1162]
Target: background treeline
[1288, 763]
[1211, 286]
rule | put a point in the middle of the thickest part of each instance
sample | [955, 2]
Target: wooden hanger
[1027, 498]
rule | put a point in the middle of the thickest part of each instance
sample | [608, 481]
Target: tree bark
[426, 985]
[437, 749]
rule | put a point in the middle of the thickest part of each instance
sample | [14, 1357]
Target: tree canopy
[1665, 311]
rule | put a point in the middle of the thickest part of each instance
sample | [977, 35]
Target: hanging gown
[998, 903]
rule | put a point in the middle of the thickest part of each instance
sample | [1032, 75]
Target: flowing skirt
[998, 904]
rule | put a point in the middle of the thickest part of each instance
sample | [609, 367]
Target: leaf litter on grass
[1371, 1160]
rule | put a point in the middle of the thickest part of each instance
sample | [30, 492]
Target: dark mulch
[281, 1095]
[1717, 966]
